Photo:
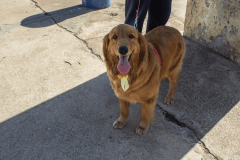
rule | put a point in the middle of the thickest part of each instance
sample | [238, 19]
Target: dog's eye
[114, 37]
[131, 36]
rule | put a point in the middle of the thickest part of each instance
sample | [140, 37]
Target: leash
[135, 24]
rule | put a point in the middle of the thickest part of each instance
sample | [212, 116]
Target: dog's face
[124, 48]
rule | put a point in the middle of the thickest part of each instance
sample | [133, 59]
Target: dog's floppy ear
[105, 47]
[143, 46]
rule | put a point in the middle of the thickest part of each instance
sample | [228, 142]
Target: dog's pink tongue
[123, 65]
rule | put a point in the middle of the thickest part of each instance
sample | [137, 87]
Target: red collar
[158, 57]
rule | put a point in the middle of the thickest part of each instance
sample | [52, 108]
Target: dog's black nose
[123, 50]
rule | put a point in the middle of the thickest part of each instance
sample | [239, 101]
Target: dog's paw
[141, 130]
[168, 100]
[118, 124]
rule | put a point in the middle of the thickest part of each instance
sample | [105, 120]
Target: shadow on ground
[77, 124]
[58, 16]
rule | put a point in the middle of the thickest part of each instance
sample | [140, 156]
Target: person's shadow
[57, 16]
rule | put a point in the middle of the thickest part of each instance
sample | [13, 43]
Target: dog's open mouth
[124, 65]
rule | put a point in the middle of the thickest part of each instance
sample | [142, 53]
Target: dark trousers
[158, 12]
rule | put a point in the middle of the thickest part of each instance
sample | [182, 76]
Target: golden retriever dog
[135, 69]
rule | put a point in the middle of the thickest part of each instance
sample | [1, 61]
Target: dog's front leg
[124, 109]
[147, 111]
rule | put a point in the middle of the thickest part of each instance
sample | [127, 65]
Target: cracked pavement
[57, 102]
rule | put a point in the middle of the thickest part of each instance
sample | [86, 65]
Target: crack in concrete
[127, 153]
[171, 118]
[68, 63]
[74, 34]
[2, 59]
[36, 4]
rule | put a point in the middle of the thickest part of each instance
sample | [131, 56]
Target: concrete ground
[56, 101]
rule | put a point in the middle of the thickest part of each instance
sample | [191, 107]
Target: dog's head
[124, 49]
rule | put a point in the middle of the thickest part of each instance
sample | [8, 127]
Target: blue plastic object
[96, 4]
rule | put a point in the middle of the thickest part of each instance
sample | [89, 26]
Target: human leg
[158, 13]
[131, 7]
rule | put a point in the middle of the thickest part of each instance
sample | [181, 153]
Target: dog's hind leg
[124, 109]
[174, 72]
[172, 87]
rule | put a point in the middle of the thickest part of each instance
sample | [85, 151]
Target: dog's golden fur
[145, 74]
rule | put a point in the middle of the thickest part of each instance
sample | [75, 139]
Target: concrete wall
[215, 24]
